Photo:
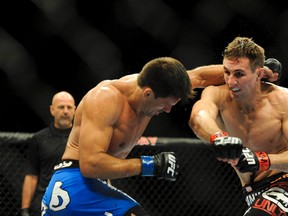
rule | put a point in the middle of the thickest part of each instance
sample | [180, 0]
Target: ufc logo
[227, 140]
[249, 156]
[172, 165]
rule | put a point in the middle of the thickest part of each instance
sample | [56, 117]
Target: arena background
[53, 45]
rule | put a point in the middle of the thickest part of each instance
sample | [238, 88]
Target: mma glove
[226, 147]
[274, 65]
[163, 165]
[253, 161]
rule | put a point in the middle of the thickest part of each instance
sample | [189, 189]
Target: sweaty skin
[107, 139]
[247, 108]
[115, 133]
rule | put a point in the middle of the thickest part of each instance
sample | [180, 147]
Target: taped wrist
[147, 165]
[264, 161]
[217, 134]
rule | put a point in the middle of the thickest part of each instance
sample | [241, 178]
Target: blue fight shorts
[69, 193]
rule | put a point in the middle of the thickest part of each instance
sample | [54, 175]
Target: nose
[66, 110]
[231, 80]
[167, 109]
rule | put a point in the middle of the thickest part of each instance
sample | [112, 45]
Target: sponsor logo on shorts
[63, 165]
[278, 196]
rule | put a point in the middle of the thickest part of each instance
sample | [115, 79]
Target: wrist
[147, 165]
[264, 161]
[218, 134]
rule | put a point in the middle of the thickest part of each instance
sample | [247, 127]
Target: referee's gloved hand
[24, 212]
[226, 147]
[163, 165]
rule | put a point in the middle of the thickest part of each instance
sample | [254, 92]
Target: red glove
[218, 134]
[253, 161]
[226, 147]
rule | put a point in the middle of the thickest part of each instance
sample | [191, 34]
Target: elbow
[196, 130]
[195, 125]
[85, 170]
[89, 169]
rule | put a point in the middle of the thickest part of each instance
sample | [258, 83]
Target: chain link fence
[205, 187]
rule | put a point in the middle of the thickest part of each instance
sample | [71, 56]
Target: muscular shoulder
[216, 92]
[278, 97]
[103, 100]
[104, 92]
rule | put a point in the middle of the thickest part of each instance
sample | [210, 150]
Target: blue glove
[163, 165]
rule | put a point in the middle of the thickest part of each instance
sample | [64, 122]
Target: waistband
[67, 164]
[259, 185]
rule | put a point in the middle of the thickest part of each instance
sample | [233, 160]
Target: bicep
[98, 119]
[204, 76]
[203, 119]
[207, 105]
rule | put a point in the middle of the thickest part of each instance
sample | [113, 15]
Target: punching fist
[226, 147]
[274, 65]
[252, 162]
[163, 165]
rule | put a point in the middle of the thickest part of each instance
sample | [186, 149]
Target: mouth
[234, 90]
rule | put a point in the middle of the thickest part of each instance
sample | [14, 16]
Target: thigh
[69, 193]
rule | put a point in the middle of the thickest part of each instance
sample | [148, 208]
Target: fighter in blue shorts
[108, 121]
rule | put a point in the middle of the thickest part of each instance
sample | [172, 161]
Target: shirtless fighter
[257, 113]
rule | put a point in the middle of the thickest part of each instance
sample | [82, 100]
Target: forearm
[279, 162]
[204, 76]
[203, 126]
[28, 190]
[162, 165]
[109, 167]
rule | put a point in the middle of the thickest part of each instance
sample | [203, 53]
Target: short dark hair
[245, 47]
[167, 77]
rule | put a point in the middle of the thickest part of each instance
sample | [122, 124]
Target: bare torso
[260, 128]
[127, 129]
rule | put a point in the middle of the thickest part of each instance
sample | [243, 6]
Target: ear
[147, 92]
[52, 110]
[260, 73]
